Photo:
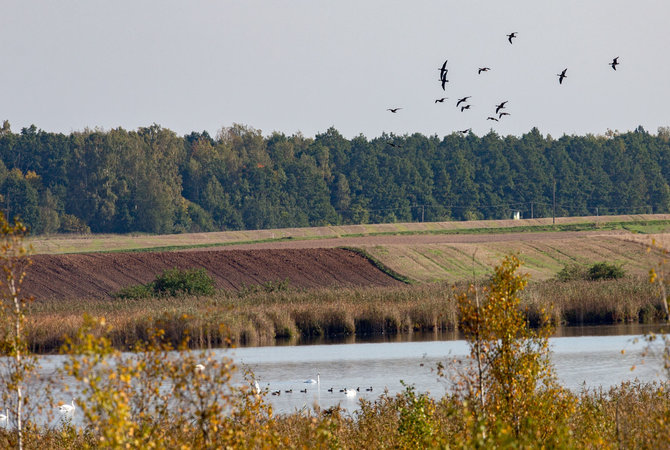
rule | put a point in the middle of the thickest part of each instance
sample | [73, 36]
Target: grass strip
[379, 265]
[639, 227]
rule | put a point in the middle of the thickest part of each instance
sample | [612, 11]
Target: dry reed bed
[260, 318]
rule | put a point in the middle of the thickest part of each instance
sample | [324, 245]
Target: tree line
[152, 180]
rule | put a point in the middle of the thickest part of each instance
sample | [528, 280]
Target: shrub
[597, 271]
[173, 282]
[605, 271]
[136, 292]
[572, 272]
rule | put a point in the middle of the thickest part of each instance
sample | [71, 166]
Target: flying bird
[483, 69]
[441, 100]
[561, 76]
[444, 82]
[503, 114]
[491, 118]
[614, 63]
[511, 36]
[393, 110]
[394, 145]
[465, 131]
[443, 70]
[464, 107]
[500, 106]
[461, 100]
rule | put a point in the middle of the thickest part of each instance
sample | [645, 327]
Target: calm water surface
[588, 357]
[581, 358]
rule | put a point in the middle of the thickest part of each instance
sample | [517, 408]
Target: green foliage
[597, 271]
[152, 180]
[135, 292]
[172, 283]
[605, 271]
[572, 272]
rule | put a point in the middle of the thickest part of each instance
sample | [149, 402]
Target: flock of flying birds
[499, 107]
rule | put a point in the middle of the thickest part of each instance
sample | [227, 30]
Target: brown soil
[96, 275]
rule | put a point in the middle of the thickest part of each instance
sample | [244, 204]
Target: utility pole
[531, 210]
[553, 221]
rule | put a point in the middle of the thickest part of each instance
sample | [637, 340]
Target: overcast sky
[303, 66]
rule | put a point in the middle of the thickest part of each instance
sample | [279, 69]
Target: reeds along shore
[256, 317]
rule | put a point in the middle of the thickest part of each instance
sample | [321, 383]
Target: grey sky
[307, 65]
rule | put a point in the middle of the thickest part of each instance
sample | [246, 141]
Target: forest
[154, 181]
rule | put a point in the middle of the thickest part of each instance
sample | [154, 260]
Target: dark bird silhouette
[304, 391]
[441, 100]
[369, 389]
[465, 131]
[444, 82]
[464, 107]
[483, 69]
[393, 110]
[500, 106]
[461, 100]
[394, 145]
[330, 390]
[561, 76]
[503, 114]
[511, 36]
[491, 118]
[443, 70]
[289, 391]
[614, 63]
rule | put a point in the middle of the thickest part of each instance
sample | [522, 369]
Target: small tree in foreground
[14, 261]
[509, 386]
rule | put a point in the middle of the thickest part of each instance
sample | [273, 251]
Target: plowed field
[96, 275]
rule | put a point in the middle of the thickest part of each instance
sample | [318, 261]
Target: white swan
[4, 418]
[67, 409]
[351, 393]
[257, 388]
[317, 381]
[199, 368]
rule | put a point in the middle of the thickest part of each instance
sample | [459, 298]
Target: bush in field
[572, 272]
[136, 292]
[597, 271]
[605, 271]
[172, 282]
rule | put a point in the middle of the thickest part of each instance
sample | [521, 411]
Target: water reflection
[582, 360]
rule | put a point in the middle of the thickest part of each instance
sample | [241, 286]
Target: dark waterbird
[463, 108]
[465, 131]
[503, 114]
[483, 69]
[461, 100]
[561, 76]
[500, 106]
[511, 36]
[491, 118]
[444, 83]
[393, 110]
[614, 63]
[441, 100]
[443, 70]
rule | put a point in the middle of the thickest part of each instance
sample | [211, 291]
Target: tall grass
[259, 317]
